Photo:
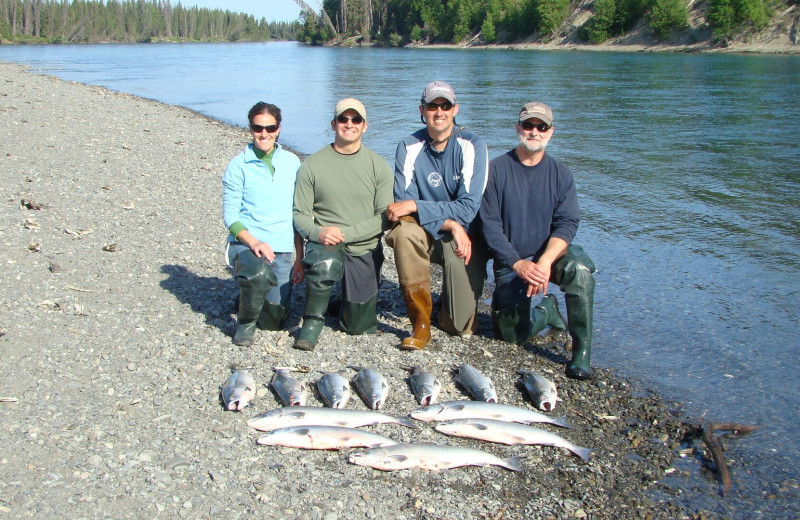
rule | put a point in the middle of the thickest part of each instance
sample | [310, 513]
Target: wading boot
[579, 291]
[520, 323]
[255, 278]
[419, 307]
[324, 267]
[359, 318]
[272, 316]
[313, 319]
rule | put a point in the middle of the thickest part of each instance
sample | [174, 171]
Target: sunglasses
[541, 127]
[446, 106]
[357, 120]
[257, 129]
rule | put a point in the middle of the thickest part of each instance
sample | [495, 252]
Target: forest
[89, 21]
[399, 22]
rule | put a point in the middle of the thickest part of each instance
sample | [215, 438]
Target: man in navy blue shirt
[440, 175]
[529, 216]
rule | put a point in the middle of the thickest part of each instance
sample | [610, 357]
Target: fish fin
[458, 407]
[302, 431]
[399, 457]
[295, 414]
[480, 426]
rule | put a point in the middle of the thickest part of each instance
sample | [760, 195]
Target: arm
[298, 272]
[492, 208]
[537, 274]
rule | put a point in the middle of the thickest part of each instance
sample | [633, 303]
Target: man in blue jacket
[439, 177]
[529, 218]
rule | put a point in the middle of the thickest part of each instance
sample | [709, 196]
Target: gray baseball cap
[438, 89]
[538, 110]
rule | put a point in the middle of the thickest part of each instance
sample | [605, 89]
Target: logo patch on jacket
[435, 179]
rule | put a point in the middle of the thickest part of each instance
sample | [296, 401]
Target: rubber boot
[313, 319]
[324, 267]
[255, 277]
[272, 316]
[578, 285]
[359, 318]
[419, 307]
[513, 324]
[546, 315]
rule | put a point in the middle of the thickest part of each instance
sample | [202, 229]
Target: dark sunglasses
[357, 120]
[257, 129]
[446, 106]
[541, 127]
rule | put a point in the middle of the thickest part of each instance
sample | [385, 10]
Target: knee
[248, 268]
[577, 273]
[405, 233]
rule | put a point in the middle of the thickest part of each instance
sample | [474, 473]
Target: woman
[263, 248]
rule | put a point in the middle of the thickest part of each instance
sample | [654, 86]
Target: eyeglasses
[446, 106]
[541, 127]
[257, 129]
[357, 120]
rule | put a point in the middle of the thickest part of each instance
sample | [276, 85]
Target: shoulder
[284, 154]
[465, 134]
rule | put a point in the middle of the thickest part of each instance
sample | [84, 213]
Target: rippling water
[688, 173]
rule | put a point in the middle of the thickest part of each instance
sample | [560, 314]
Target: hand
[330, 236]
[536, 275]
[262, 250]
[395, 210]
[298, 273]
[463, 243]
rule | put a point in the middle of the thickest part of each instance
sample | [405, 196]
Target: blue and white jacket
[446, 184]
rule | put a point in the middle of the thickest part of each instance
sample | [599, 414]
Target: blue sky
[278, 10]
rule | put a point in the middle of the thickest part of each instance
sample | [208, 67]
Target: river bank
[116, 324]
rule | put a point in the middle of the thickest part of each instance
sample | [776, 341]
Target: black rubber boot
[520, 323]
[255, 277]
[359, 318]
[324, 267]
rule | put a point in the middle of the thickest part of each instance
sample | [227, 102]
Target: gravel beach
[116, 323]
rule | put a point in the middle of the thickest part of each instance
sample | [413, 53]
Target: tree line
[79, 21]
[398, 22]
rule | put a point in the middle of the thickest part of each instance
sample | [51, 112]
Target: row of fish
[327, 428]
[334, 389]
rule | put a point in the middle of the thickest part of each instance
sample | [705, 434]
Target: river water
[688, 172]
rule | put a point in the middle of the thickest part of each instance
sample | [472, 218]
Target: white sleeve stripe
[467, 169]
[412, 152]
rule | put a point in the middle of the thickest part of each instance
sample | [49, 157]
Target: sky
[278, 10]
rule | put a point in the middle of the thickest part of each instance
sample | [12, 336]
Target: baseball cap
[438, 89]
[538, 110]
[349, 104]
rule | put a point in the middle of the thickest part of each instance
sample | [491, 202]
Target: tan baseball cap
[438, 89]
[538, 110]
[350, 104]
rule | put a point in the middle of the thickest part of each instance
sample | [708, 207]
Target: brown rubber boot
[419, 306]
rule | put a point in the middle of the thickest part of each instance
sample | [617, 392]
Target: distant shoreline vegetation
[402, 22]
[129, 21]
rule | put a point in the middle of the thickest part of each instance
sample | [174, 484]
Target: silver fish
[319, 416]
[542, 391]
[481, 410]
[371, 386]
[426, 388]
[428, 456]
[334, 390]
[324, 438]
[291, 391]
[239, 389]
[507, 433]
[476, 384]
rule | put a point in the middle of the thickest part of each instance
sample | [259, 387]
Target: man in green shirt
[340, 197]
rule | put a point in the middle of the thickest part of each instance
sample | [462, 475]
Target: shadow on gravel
[208, 295]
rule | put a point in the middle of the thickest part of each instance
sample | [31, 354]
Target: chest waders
[255, 278]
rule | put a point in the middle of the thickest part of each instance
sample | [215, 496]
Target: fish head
[427, 413]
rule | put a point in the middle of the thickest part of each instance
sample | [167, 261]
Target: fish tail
[561, 421]
[514, 464]
[405, 421]
[581, 452]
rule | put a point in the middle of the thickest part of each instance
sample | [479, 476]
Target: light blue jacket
[261, 201]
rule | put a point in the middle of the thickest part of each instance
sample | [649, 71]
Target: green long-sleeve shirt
[350, 192]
